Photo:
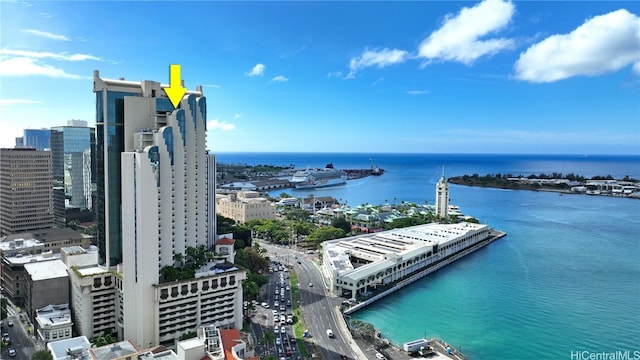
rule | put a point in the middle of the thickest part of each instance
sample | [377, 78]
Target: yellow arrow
[175, 91]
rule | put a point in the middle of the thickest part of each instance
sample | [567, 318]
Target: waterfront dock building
[360, 264]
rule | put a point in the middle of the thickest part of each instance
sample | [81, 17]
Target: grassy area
[299, 326]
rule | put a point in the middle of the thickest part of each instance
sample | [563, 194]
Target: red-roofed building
[224, 247]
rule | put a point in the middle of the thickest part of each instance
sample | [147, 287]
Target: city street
[21, 341]
[317, 307]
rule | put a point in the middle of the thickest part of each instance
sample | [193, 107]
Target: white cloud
[46, 35]
[417, 92]
[335, 74]
[237, 116]
[381, 58]
[22, 66]
[602, 44]
[49, 55]
[25, 63]
[10, 102]
[459, 38]
[257, 70]
[279, 78]
[215, 124]
[9, 133]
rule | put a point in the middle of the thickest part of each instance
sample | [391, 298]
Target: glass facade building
[73, 150]
[37, 138]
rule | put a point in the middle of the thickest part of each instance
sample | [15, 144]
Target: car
[12, 352]
[288, 302]
[288, 288]
[380, 356]
[310, 284]
[10, 322]
[276, 304]
[276, 329]
[283, 330]
[288, 351]
[330, 333]
[278, 341]
[282, 308]
[265, 305]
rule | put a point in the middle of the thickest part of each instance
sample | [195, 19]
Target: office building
[152, 172]
[26, 196]
[244, 206]
[47, 282]
[94, 296]
[36, 138]
[53, 322]
[144, 105]
[211, 200]
[73, 148]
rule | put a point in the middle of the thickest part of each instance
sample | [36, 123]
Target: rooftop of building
[230, 338]
[44, 270]
[225, 241]
[52, 315]
[46, 235]
[381, 250]
[22, 259]
[19, 243]
[68, 349]
[113, 351]
[214, 268]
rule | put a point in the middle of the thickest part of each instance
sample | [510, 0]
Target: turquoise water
[565, 278]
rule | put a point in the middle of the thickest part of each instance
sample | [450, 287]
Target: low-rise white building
[245, 206]
[93, 292]
[53, 322]
[361, 263]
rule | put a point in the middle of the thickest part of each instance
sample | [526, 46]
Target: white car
[276, 329]
[283, 330]
[278, 341]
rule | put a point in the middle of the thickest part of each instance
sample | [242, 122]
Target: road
[21, 341]
[317, 307]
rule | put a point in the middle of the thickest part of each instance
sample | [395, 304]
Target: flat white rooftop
[44, 270]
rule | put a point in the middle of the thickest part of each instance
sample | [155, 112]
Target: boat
[318, 177]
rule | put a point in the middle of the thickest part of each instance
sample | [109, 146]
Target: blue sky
[431, 77]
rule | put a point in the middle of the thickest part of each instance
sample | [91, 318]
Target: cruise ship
[315, 178]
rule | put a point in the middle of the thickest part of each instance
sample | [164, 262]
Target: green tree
[297, 214]
[3, 307]
[73, 224]
[105, 339]
[42, 355]
[341, 223]
[250, 290]
[325, 233]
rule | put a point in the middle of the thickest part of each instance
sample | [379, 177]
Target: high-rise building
[73, 148]
[26, 201]
[211, 200]
[442, 198]
[153, 170]
[37, 139]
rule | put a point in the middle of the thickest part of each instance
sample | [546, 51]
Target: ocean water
[566, 278]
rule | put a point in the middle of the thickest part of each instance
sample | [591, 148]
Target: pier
[495, 235]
